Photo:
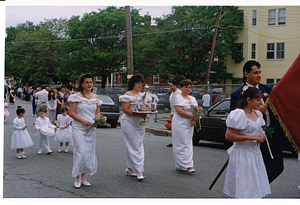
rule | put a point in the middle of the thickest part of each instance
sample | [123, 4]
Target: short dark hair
[185, 82]
[64, 109]
[43, 86]
[63, 86]
[134, 79]
[174, 82]
[43, 109]
[69, 87]
[248, 67]
[20, 110]
[251, 92]
[81, 80]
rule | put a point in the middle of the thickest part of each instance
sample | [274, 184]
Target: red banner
[284, 102]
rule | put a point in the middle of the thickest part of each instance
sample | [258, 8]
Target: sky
[36, 14]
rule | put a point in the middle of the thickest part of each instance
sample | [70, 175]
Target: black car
[213, 124]
[110, 110]
[163, 103]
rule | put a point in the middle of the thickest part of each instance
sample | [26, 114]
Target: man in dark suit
[252, 77]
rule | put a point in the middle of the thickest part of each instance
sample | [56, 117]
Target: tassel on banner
[286, 131]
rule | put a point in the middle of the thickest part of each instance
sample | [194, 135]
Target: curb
[158, 132]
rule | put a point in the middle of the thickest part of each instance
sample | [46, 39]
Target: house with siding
[271, 36]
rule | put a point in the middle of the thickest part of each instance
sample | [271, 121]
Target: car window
[162, 99]
[106, 99]
[221, 109]
[222, 96]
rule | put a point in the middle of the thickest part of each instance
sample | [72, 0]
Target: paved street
[49, 176]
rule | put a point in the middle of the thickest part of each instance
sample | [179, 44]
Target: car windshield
[221, 109]
[106, 99]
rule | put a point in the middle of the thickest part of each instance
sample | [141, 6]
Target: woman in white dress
[20, 138]
[133, 132]
[182, 128]
[246, 175]
[84, 107]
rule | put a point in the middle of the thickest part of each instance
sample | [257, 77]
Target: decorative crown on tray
[146, 102]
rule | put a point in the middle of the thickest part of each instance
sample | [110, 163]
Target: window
[281, 16]
[270, 81]
[156, 79]
[242, 16]
[276, 17]
[239, 48]
[272, 17]
[271, 50]
[280, 51]
[253, 51]
[254, 17]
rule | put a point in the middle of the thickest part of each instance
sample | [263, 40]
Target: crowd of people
[248, 175]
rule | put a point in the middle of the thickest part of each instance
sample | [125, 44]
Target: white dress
[133, 135]
[84, 146]
[182, 133]
[20, 138]
[63, 135]
[246, 175]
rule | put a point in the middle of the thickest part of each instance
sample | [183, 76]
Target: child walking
[41, 121]
[246, 175]
[64, 130]
[20, 138]
[6, 113]
[51, 106]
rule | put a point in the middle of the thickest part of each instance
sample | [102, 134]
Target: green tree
[97, 42]
[183, 45]
[31, 52]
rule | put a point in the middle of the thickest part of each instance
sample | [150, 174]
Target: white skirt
[246, 175]
[63, 135]
[21, 139]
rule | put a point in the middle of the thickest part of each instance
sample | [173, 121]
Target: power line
[161, 32]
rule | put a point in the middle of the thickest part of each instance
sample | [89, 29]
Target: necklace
[248, 110]
[135, 92]
[185, 97]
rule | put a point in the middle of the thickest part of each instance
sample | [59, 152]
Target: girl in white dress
[20, 138]
[51, 106]
[84, 107]
[133, 132]
[182, 128]
[64, 130]
[246, 175]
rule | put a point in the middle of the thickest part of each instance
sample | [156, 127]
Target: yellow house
[271, 36]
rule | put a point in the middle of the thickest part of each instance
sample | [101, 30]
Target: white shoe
[140, 176]
[129, 172]
[23, 155]
[85, 183]
[299, 188]
[181, 169]
[59, 149]
[19, 156]
[77, 186]
[67, 150]
[39, 153]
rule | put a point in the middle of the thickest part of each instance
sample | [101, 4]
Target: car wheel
[113, 123]
[166, 110]
[196, 137]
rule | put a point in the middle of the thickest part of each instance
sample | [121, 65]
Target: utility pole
[213, 46]
[219, 17]
[129, 42]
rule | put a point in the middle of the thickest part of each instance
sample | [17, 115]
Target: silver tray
[145, 112]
